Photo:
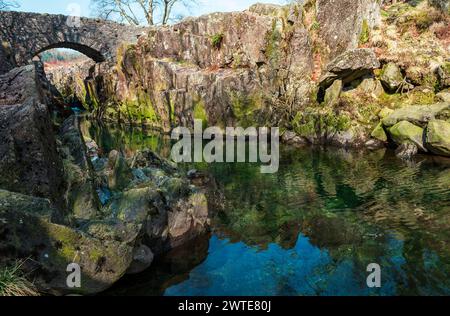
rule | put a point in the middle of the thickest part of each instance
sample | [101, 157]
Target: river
[310, 229]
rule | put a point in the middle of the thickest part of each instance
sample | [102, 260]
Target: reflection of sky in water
[237, 269]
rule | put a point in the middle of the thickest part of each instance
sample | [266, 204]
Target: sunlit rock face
[244, 68]
[342, 22]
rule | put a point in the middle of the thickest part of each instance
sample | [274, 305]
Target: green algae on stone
[418, 114]
[379, 133]
[391, 77]
[406, 132]
[199, 112]
[438, 137]
[313, 122]
[246, 107]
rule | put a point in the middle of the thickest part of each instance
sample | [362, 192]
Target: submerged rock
[406, 151]
[438, 137]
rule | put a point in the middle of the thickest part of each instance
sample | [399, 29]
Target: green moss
[420, 97]
[393, 101]
[139, 109]
[199, 112]
[379, 133]
[315, 122]
[66, 239]
[365, 33]
[95, 255]
[92, 95]
[273, 43]
[245, 108]
[216, 40]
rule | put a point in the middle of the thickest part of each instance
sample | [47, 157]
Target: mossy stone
[379, 133]
[405, 132]
[438, 137]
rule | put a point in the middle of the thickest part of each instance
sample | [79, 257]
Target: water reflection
[310, 229]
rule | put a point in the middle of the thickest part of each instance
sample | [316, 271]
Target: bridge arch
[90, 52]
[24, 35]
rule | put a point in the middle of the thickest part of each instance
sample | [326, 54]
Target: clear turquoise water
[310, 229]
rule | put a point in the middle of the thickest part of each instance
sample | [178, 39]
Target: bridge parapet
[24, 35]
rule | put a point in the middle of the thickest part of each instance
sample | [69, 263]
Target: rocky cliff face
[252, 67]
[324, 70]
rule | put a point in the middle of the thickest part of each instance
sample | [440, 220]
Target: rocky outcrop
[29, 161]
[341, 23]
[349, 66]
[50, 211]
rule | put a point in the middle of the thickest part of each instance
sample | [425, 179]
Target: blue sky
[203, 7]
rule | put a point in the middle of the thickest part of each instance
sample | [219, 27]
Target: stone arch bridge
[24, 35]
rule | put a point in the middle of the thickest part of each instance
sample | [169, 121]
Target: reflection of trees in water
[348, 204]
[353, 205]
[126, 139]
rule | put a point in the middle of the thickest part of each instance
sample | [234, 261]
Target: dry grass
[14, 283]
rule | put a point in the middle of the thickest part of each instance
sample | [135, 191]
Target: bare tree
[7, 5]
[136, 12]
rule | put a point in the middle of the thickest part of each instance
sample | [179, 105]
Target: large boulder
[349, 66]
[406, 132]
[342, 23]
[438, 137]
[29, 161]
[27, 234]
[418, 114]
